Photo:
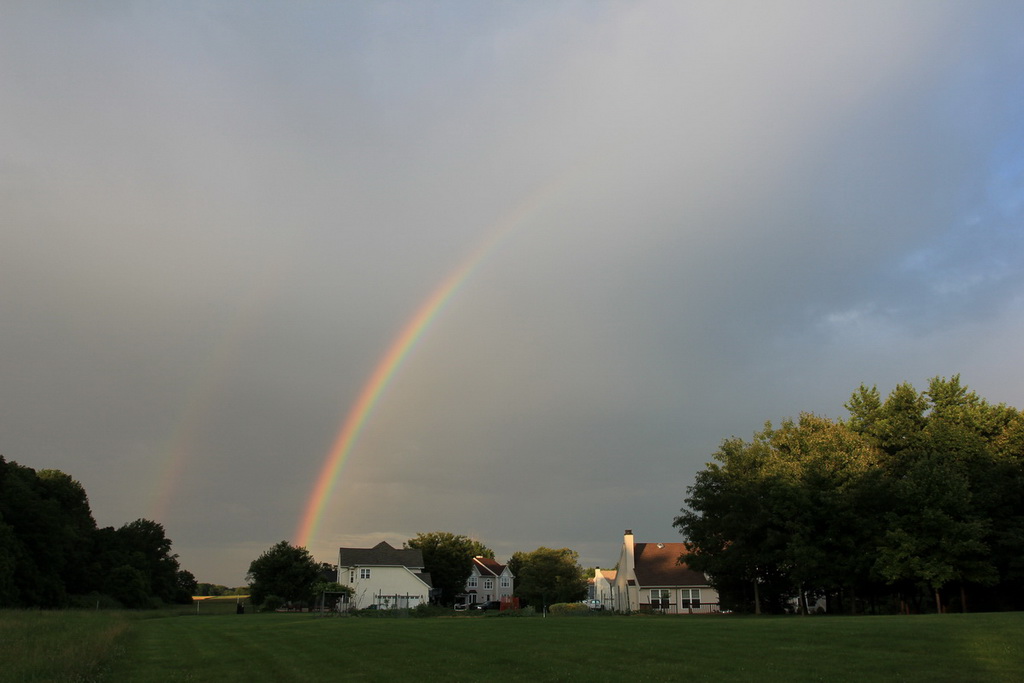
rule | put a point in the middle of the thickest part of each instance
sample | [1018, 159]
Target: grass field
[62, 646]
[293, 647]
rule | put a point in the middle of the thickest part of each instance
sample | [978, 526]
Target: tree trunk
[757, 598]
[938, 602]
[963, 598]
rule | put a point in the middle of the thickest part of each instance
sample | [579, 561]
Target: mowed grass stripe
[983, 647]
[222, 647]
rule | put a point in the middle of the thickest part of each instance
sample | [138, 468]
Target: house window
[488, 584]
[505, 582]
[659, 598]
[472, 581]
[364, 573]
[689, 598]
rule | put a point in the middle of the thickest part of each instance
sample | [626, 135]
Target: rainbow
[180, 446]
[396, 353]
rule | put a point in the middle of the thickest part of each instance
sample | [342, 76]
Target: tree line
[541, 577]
[217, 590]
[52, 554]
[289, 574]
[913, 503]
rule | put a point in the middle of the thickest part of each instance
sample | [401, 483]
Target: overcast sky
[218, 216]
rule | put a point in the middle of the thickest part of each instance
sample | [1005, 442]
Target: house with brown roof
[384, 576]
[651, 577]
[488, 580]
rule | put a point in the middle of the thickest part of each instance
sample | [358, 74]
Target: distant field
[220, 604]
[293, 647]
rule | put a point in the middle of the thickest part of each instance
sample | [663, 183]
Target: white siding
[383, 581]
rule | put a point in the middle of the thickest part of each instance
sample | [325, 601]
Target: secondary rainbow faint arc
[393, 358]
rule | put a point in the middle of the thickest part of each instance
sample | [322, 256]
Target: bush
[94, 601]
[382, 613]
[271, 603]
[521, 612]
[129, 586]
[565, 609]
[425, 609]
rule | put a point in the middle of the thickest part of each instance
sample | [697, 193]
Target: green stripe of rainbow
[392, 360]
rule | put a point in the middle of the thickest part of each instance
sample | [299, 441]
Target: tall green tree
[448, 559]
[1007, 506]
[143, 547]
[547, 576]
[919, 494]
[186, 585]
[734, 526]
[72, 539]
[286, 571]
[9, 550]
[34, 519]
[933, 539]
[48, 537]
[51, 550]
[151, 553]
[776, 516]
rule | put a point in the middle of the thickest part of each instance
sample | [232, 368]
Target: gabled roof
[380, 555]
[488, 567]
[656, 564]
[609, 574]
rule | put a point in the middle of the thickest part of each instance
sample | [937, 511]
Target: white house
[604, 587]
[651, 577]
[488, 580]
[384, 576]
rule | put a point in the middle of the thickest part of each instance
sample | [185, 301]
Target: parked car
[593, 604]
[493, 604]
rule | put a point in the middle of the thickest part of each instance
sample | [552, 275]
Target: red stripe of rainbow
[392, 360]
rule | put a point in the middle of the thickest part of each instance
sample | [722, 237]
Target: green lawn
[287, 647]
[62, 646]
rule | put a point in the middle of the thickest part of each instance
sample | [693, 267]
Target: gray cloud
[218, 217]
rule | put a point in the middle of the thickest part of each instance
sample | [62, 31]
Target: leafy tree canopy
[547, 576]
[447, 557]
[286, 571]
[923, 491]
[51, 550]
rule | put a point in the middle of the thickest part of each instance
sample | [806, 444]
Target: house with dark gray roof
[384, 577]
[651, 577]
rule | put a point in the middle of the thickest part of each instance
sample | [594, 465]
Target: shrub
[425, 609]
[521, 612]
[271, 603]
[94, 601]
[564, 609]
[128, 585]
[382, 613]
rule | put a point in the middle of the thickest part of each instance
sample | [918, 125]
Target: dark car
[493, 604]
